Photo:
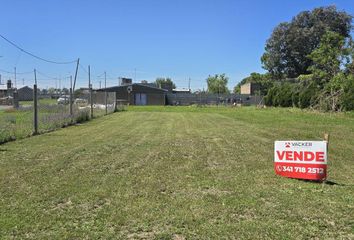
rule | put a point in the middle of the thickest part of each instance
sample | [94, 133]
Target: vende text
[300, 156]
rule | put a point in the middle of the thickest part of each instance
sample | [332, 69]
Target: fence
[28, 112]
[212, 99]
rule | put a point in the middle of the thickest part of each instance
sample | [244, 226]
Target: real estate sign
[301, 159]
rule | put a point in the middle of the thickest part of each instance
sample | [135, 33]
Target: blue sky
[147, 39]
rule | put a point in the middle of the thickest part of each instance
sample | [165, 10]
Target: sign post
[301, 159]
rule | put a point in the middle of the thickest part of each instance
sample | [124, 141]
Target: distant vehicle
[80, 101]
[64, 99]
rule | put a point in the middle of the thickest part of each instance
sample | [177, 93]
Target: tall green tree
[331, 70]
[164, 82]
[328, 58]
[287, 50]
[218, 84]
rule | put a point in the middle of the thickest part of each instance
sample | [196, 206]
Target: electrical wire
[45, 75]
[17, 73]
[100, 75]
[33, 55]
[83, 68]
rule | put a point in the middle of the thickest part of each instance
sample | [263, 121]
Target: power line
[33, 55]
[45, 75]
[100, 76]
[83, 68]
[5, 71]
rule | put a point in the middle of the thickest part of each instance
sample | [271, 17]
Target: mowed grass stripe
[151, 173]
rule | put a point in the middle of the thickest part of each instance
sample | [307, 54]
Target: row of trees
[309, 62]
[216, 84]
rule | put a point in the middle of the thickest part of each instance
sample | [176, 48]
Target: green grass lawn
[175, 173]
[19, 123]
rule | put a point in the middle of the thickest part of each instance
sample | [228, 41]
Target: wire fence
[27, 111]
[204, 98]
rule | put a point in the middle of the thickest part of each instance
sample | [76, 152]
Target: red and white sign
[301, 159]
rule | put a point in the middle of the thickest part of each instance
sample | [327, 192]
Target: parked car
[63, 99]
[80, 101]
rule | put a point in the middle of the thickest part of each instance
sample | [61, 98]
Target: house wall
[250, 88]
[246, 88]
[25, 94]
[3, 93]
[154, 96]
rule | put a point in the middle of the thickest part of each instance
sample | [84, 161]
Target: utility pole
[0, 79]
[100, 84]
[105, 90]
[77, 66]
[90, 90]
[15, 78]
[89, 76]
[60, 86]
[71, 96]
[35, 104]
[189, 84]
[134, 74]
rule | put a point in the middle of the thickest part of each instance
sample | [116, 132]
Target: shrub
[307, 95]
[281, 95]
[82, 116]
[347, 98]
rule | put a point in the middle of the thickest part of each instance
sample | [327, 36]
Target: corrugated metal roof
[4, 86]
[133, 84]
[181, 90]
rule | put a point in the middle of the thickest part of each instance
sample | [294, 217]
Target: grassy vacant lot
[18, 123]
[176, 172]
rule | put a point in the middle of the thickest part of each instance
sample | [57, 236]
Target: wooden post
[90, 90]
[326, 138]
[71, 97]
[15, 101]
[77, 67]
[35, 105]
[15, 77]
[105, 90]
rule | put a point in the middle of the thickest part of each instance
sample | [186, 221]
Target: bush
[281, 95]
[269, 98]
[307, 95]
[82, 116]
[347, 98]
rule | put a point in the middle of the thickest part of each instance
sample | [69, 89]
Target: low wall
[205, 98]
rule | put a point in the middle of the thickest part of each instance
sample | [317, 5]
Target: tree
[347, 98]
[161, 82]
[51, 90]
[218, 84]
[287, 50]
[328, 57]
[78, 93]
[65, 91]
[282, 94]
[328, 69]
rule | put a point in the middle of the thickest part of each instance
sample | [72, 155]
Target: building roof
[181, 90]
[4, 86]
[133, 84]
